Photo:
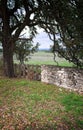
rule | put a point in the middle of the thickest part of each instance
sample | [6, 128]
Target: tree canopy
[68, 29]
[63, 17]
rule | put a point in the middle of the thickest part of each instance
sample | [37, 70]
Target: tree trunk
[7, 42]
[8, 59]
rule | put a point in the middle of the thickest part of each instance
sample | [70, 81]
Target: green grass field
[42, 57]
[47, 58]
[32, 105]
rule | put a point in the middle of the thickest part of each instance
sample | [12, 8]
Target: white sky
[42, 38]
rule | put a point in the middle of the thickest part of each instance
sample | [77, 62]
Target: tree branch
[41, 22]
[11, 11]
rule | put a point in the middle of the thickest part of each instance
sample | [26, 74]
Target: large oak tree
[15, 15]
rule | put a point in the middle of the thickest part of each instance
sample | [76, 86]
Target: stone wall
[71, 78]
[31, 72]
[64, 77]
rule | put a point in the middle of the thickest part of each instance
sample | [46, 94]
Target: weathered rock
[62, 76]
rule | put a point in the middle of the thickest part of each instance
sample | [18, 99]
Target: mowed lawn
[32, 105]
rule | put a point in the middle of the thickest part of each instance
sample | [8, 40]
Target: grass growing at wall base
[32, 105]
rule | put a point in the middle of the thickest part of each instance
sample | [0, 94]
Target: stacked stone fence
[31, 72]
[71, 78]
[66, 77]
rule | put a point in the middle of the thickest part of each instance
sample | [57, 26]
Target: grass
[32, 105]
[42, 57]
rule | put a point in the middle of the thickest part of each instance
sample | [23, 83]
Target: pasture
[32, 105]
[42, 57]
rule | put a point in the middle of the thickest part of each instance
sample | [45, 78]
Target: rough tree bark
[8, 59]
[7, 43]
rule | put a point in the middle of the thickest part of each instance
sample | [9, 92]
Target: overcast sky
[43, 39]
